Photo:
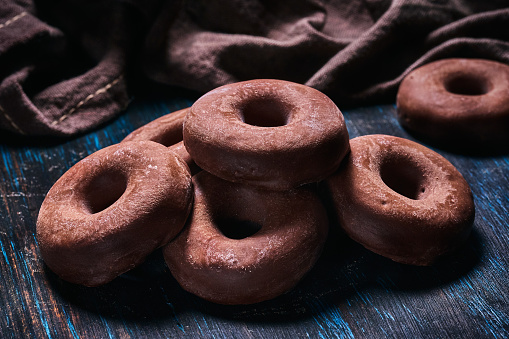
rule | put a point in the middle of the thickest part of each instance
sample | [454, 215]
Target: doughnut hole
[467, 84]
[169, 138]
[265, 112]
[404, 177]
[104, 190]
[239, 213]
[237, 229]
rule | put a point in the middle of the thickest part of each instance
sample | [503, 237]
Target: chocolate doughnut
[166, 130]
[401, 200]
[270, 133]
[112, 209]
[243, 244]
[457, 103]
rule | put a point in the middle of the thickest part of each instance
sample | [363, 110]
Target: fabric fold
[66, 68]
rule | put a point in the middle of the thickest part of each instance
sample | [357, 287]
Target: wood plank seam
[88, 98]
[9, 119]
[13, 19]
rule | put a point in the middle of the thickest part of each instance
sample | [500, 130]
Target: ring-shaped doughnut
[243, 244]
[110, 210]
[270, 133]
[457, 103]
[166, 130]
[401, 200]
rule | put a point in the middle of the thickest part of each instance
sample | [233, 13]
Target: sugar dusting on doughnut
[270, 133]
[255, 263]
[255, 227]
[461, 104]
[401, 200]
[112, 209]
[166, 130]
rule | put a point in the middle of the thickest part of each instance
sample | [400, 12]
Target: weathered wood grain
[351, 292]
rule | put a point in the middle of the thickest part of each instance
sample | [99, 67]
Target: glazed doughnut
[401, 200]
[457, 103]
[166, 130]
[112, 209]
[243, 244]
[269, 133]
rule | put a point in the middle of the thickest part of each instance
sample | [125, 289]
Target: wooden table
[351, 292]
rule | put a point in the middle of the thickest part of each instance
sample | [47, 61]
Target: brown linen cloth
[67, 66]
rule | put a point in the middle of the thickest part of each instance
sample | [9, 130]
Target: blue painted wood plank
[351, 293]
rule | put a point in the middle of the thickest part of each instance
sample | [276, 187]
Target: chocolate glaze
[166, 130]
[243, 244]
[112, 209]
[401, 200]
[457, 103]
[269, 133]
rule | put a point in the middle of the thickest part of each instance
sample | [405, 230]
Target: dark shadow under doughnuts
[458, 104]
[271, 133]
[244, 245]
[401, 200]
[110, 210]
